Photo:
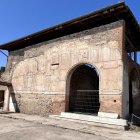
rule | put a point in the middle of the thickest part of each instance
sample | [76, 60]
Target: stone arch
[86, 73]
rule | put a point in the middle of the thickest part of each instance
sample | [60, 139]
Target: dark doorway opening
[84, 90]
[130, 98]
[1, 99]
[134, 94]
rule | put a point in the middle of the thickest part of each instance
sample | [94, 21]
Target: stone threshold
[94, 120]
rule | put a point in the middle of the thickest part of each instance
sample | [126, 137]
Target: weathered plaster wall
[39, 73]
[131, 75]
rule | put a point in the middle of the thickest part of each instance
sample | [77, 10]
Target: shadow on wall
[14, 104]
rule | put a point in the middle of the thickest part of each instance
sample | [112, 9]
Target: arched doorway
[134, 93]
[84, 90]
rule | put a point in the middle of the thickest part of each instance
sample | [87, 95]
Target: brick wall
[39, 73]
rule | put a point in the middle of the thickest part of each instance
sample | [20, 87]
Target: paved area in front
[13, 129]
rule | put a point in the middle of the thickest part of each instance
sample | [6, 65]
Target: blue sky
[23, 17]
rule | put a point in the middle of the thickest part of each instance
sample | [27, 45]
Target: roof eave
[69, 27]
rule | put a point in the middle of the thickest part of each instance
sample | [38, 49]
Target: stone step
[4, 112]
[92, 120]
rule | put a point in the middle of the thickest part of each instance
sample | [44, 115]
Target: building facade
[87, 65]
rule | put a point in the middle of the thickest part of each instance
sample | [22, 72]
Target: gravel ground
[13, 129]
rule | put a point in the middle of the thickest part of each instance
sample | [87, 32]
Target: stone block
[108, 115]
[90, 118]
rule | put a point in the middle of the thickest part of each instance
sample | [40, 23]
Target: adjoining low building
[87, 65]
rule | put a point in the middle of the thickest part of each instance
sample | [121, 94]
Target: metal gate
[84, 101]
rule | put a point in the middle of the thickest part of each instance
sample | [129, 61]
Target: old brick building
[87, 65]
